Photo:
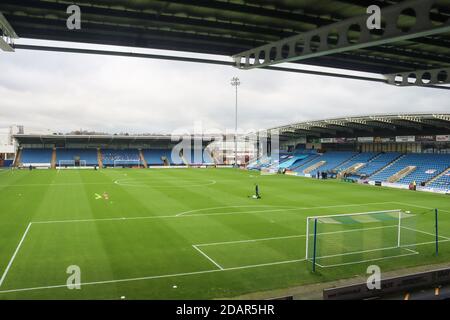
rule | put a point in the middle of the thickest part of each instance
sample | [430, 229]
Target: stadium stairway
[299, 165]
[444, 173]
[375, 175]
[441, 181]
[144, 162]
[17, 158]
[401, 174]
[53, 163]
[359, 160]
[100, 158]
[332, 159]
[315, 166]
[418, 167]
[381, 161]
[166, 161]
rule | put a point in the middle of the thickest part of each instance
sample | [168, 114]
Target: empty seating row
[330, 161]
[378, 163]
[36, 157]
[65, 156]
[111, 157]
[157, 156]
[441, 183]
[425, 167]
[363, 157]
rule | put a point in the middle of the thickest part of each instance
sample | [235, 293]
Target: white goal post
[343, 239]
[71, 163]
[127, 163]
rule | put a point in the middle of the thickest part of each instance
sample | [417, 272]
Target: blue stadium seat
[36, 156]
[427, 166]
[377, 163]
[332, 160]
[88, 155]
[111, 155]
[441, 183]
[155, 156]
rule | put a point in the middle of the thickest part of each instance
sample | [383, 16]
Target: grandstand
[416, 149]
[419, 155]
[63, 151]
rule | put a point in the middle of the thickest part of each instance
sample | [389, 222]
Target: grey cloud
[63, 92]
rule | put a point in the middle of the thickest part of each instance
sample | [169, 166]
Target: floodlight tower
[235, 82]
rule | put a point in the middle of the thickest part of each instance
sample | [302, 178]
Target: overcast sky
[63, 92]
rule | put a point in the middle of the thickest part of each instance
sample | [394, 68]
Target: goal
[127, 163]
[71, 163]
[345, 239]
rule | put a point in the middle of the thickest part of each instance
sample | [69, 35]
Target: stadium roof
[386, 125]
[232, 27]
[379, 125]
[97, 139]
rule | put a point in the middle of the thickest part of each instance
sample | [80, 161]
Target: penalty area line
[2, 279]
[207, 257]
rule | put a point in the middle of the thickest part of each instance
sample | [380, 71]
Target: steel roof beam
[407, 124]
[7, 35]
[420, 77]
[316, 43]
[340, 128]
[382, 122]
[437, 123]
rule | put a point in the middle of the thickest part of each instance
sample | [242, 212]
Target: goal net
[344, 239]
[127, 163]
[71, 163]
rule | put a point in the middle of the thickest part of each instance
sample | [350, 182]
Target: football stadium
[306, 209]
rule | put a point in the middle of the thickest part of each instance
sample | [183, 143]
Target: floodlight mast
[235, 82]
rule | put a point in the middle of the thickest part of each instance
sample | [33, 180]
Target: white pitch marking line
[156, 277]
[413, 205]
[370, 260]
[287, 237]
[215, 270]
[208, 257]
[227, 207]
[14, 255]
[209, 214]
[424, 232]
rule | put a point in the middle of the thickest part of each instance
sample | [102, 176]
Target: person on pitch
[258, 196]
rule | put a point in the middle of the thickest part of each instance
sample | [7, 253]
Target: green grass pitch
[190, 233]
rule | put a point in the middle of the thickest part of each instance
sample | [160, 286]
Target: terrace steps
[388, 165]
[53, 163]
[352, 169]
[165, 161]
[99, 158]
[314, 167]
[17, 158]
[438, 176]
[346, 161]
[141, 156]
[305, 163]
[401, 174]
